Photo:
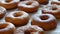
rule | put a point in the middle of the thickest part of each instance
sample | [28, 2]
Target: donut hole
[54, 8]
[44, 17]
[8, 0]
[17, 14]
[3, 26]
[29, 3]
[27, 32]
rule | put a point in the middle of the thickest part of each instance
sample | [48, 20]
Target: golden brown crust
[29, 10]
[43, 1]
[9, 6]
[45, 26]
[17, 22]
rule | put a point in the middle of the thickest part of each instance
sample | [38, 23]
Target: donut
[45, 21]
[2, 12]
[28, 6]
[7, 28]
[55, 2]
[18, 18]
[43, 2]
[9, 4]
[52, 9]
[29, 30]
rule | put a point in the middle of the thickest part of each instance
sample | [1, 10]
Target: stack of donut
[20, 18]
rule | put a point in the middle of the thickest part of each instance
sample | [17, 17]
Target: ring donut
[28, 6]
[2, 12]
[45, 21]
[9, 4]
[7, 28]
[29, 30]
[18, 18]
[52, 9]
